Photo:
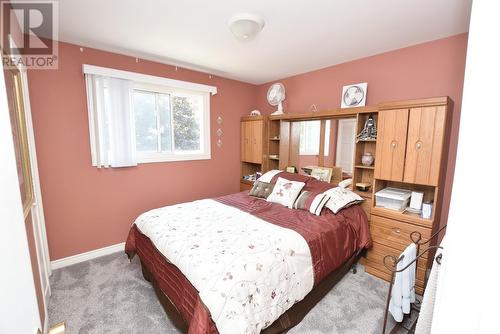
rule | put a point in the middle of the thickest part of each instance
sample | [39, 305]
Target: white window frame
[169, 86]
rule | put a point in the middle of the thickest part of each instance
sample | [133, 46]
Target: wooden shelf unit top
[411, 218]
[364, 167]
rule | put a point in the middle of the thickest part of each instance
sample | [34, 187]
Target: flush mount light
[245, 26]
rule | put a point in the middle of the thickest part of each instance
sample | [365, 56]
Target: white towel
[424, 323]
[403, 289]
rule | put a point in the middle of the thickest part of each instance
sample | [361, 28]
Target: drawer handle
[418, 145]
[396, 230]
[393, 144]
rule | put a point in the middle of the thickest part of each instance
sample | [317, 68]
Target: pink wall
[88, 208]
[426, 70]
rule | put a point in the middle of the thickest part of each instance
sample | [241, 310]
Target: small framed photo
[354, 95]
[322, 173]
[291, 169]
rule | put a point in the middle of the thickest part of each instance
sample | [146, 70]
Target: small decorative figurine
[369, 131]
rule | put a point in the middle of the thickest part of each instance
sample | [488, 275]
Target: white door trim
[37, 214]
[18, 304]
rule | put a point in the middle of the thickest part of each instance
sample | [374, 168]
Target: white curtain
[111, 121]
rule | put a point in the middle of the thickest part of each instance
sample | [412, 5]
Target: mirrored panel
[323, 143]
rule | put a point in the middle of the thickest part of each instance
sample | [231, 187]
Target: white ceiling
[298, 36]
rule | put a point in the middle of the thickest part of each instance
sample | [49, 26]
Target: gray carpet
[109, 295]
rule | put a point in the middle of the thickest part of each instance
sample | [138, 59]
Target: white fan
[275, 97]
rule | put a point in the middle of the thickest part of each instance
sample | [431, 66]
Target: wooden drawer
[394, 233]
[375, 259]
[366, 205]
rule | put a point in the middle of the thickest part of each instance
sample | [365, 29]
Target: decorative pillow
[261, 189]
[318, 203]
[285, 192]
[345, 183]
[268, 176]
[341, 198]
[312, 201]
[291, 177]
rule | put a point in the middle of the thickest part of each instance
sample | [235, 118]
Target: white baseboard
[68, 261]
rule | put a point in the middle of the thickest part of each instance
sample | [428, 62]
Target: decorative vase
[367, 159]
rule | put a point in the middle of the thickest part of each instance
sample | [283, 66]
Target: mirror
[327, 143]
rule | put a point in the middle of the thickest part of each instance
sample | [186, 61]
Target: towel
[424, 323]
[403, 289]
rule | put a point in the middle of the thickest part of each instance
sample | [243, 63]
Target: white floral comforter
[247, 271]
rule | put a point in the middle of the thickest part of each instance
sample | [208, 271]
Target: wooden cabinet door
[424, 147]
[391, 144]
[256, 141]
[251, 141]
[243, 144]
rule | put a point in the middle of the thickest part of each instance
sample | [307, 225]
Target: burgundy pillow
[317, 186]
[292, 177]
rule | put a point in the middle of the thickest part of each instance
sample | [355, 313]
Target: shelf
[274, 158]
[365, 167]
[402, 216]
[367, 141]
[274, 139]
[364, 194]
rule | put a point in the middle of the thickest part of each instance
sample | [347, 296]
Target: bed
[240, 264]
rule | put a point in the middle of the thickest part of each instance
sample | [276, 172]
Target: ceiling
[298, 36]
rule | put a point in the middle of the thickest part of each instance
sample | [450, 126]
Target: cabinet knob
[396, 230]
[418, 145]
[393, 144]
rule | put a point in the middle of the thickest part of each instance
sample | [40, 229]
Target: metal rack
[416, 238]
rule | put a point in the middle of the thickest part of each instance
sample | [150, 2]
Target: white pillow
[268, 176]
[318, 203]
[285, 192]
[345, 183]
[341, 198]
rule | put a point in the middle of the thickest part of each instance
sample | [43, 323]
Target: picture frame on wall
[14, 87]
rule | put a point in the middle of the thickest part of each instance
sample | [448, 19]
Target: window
[169, 124]
[136, 118]
[310, 137]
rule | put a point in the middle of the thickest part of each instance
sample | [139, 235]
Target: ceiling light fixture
[245, 26]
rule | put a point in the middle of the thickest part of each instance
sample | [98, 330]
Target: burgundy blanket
[332, 240]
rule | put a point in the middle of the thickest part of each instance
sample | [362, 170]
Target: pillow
[341, 198]
[291, 177]
[268, 176]
[285, 192]
[345, 183]
[318, 203]
[261, 189]
[312, 201]
[318, 186]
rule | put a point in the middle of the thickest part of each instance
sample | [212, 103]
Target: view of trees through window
[167, 123]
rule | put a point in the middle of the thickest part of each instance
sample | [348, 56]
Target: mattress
[332, 239]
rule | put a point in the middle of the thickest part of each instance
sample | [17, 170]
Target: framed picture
[354, 95]
[291, 169]
[14, 87]
[322, 173]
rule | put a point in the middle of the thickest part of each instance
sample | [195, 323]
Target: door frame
[37, 213]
